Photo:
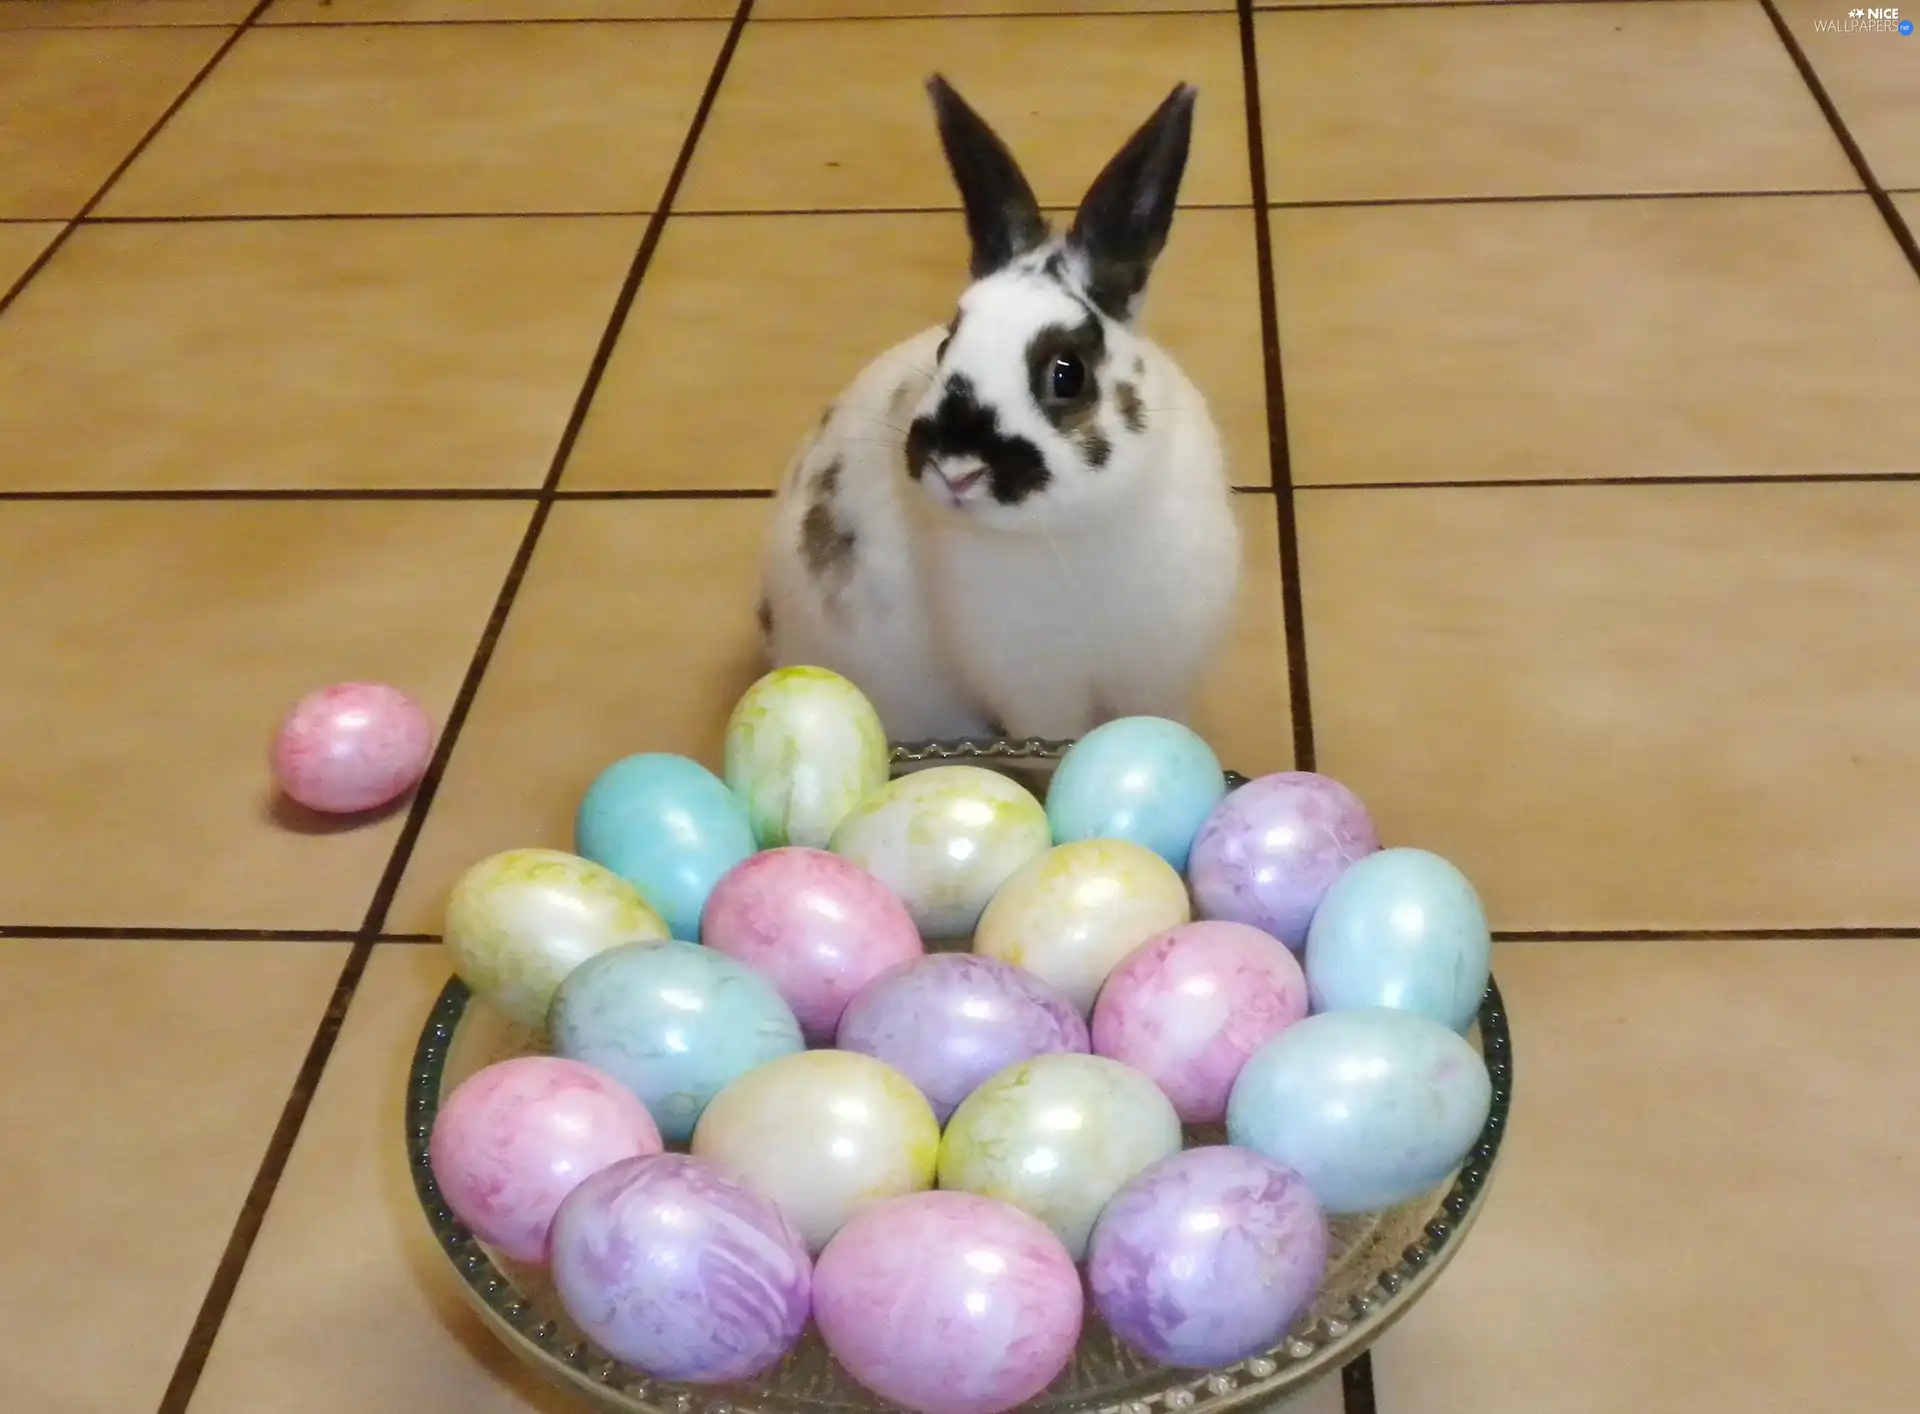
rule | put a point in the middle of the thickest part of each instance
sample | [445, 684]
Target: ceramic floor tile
[1909, 204]
[1500, 100]
[1870, 76]
[306, 354]
[50, 14]
[896, 9]
[346, 1302]
[1730, 336]
[20, 246]
[728, 300]
[789, 133]
[151, 651]
[74, 103]
[1705, 1195]
[159, 1071]
[1661, 707]
[606, 654]
[409, 118]
[296, 12]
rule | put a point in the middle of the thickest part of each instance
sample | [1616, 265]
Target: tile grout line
[1279, 453]
[295, 26]
[1356, 1386]
[734, 213]
[73, 222]
[252, 1216]
[165, 934]
[1889, 212]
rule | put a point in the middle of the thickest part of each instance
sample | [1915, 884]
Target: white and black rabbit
[1019, 522]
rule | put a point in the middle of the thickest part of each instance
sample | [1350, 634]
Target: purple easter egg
[1271, 850]
[516, 1138]
[949, 1021]
[1208, 1257]
[817, 926]
[949, 1303]
[1190, 1006]
[673, 1267]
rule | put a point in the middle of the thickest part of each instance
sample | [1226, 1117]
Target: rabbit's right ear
[1003, 218]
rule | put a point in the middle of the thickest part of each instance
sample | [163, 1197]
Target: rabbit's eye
[1068, 377]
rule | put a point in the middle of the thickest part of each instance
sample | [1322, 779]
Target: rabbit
[1018, 523]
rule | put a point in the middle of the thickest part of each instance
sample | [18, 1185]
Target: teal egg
[1143, 779]
[1371, 1107]
[1401, 928]
[669, 827]
[673, 1022]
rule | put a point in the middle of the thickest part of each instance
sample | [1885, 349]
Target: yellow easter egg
[943, 841]
[1072, 914]
[804, 746]
[518, 922]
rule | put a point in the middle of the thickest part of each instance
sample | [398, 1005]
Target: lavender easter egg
[950, 1021]
[949, 1303]
[1189, 1007]
[817, 926]
[1208, 1257]
[671, 1266]
[1271, 850]
[513, 1140]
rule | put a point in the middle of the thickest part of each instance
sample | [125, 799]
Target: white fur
[1104, 595]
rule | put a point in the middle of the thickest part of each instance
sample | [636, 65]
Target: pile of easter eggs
[928, 1062]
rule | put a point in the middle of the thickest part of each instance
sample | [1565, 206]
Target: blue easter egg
[1371, 1107]
[1143, 779]
[671, 1021]
[669, 827]
[1402, 929]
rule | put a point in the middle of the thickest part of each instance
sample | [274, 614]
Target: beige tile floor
[1595, 469]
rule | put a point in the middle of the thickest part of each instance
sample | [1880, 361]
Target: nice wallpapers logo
[1871, 20]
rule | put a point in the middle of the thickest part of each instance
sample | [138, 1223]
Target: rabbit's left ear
[1003, 218]
[1123, 221]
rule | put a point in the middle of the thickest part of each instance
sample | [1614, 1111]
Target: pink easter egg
[516, 1138]
[353, 746]
[1191, 1006]
[819, 927]
[948, 1303]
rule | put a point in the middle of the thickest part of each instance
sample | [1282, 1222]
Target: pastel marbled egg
[1271, 850]
[1402, 928]
[824, 1134]
[681, 1271]
[668, 826]
[1189, 1007]
[517, 1137]
[674, 1022]
[1072, 914]
[1208, 1257]
[1371, 1107]
[519, 922]
[943, 841]
[803, 747]
[949, 1303]
[352, 746]
[817, 926]
[953, 1020]
[1057, 1137]
[1144, 779]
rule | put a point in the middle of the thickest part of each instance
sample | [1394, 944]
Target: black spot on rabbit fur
[1133, 412]
[824, 541]
[961, 426]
